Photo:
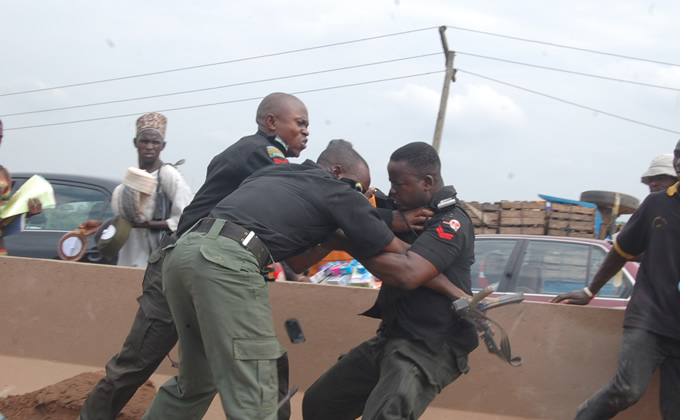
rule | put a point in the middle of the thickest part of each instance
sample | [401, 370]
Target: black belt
[233, 231]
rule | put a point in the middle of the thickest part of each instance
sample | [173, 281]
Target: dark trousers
[641, 354]
[382, 379]
[145, 347]
[147, 344]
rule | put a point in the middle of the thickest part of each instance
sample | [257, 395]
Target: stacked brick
[532, 218]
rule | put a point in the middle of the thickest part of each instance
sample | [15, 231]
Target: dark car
[545, 266]
[78, 198]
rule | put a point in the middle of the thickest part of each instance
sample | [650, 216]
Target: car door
[495, 262]
[75, 203]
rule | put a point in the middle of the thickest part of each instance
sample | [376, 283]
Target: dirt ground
[63, 400]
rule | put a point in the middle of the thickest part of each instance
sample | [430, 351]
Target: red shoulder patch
[442, 234]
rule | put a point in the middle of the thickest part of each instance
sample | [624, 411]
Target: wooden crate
[571, 225]
[572, 212]
[523, 213]
[571, 220]
[482, 214]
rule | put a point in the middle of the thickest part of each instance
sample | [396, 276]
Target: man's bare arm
[611, 265]
[409, 270]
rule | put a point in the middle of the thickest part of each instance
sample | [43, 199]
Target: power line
[334, 70]
[229, 102]
[565, 46]
[223, 86]
[569, 102]
[570, 71]
[219, 63]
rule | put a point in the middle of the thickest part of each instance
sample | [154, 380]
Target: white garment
[139, 245]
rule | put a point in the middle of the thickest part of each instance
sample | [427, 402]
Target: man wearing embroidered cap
[660, 175]
[162, 211]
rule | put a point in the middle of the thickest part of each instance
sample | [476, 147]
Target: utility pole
[449, 78]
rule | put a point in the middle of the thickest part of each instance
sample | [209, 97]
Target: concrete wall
[80, 313]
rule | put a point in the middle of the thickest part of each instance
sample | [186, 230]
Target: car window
[619, 286]
[75, 204]
[558, 267]
[554, 268]
[491, 258]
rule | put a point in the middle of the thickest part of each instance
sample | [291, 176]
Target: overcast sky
[505, 136]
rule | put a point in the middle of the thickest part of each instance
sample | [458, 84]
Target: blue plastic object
[598, 216]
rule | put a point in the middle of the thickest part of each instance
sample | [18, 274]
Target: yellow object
[35, 187]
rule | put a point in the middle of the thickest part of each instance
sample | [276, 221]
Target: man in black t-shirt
[421, 347]
[215, 288]
[651, 334]
[282, 123]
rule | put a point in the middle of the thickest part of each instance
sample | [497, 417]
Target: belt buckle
[245, 241]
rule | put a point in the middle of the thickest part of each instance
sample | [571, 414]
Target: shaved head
[275, 104]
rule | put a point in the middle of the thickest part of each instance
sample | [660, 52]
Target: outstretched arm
[611, 265]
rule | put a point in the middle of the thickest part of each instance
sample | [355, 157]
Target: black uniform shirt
[447, 242]
[292, 207]
[226, 172]
[654, 229]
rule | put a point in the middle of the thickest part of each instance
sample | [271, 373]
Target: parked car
[78, 198]
[544, 266]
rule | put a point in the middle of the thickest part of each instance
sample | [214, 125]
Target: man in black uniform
[282, 132]
[420, 347]
[215, 288]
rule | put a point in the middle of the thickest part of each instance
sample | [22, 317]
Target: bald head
[275, 104]
[284, 116]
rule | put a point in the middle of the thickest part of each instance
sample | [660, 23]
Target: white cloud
[483, 102]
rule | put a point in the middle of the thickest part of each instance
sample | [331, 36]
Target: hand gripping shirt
[447, 241]
[654, 229]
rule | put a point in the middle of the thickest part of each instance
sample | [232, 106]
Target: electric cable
[569, 102]
[628, 57]
[335, 44]
[220, 87]
[229, 102]
[570, 71]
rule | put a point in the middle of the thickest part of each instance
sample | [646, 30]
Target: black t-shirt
[447, 242]
[226, 172]
[654, 229]
[292, 207]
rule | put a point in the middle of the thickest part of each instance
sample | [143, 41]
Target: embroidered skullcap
[152, 121]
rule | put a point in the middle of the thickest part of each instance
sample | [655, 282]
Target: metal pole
[449, 77]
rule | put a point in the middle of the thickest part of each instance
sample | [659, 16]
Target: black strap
[239, 234]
